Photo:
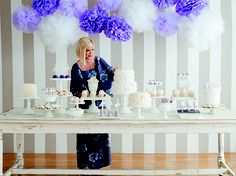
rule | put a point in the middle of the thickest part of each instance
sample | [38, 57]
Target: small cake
[191, 93]
[183, 92]
[76, 100]
[140, 100]
[160, 93]
[64, 92]
[29, 91]
[101, 93]
[85, 93]
[93, 84]
[48, 106]
[175, 93]
[124, 81]
[212, 94]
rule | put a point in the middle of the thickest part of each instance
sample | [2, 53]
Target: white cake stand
[28, 109]
[124, 108]
[154, 109]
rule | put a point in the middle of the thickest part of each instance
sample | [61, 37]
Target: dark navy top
[93, 150]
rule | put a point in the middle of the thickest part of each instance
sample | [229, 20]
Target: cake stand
[93, 108]
[164, 108]
[77, 111]
[28, 109]
[124, 108]
[59, 81]
[154, 109]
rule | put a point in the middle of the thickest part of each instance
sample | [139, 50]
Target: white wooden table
[16, 123]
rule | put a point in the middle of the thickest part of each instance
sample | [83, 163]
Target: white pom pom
[58, 31]
[201, 31]
[140, 14]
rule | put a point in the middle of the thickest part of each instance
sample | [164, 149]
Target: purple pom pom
[92, 21]
[110, 5]
[26, 19]
[67, 76]
[73, 7]
[166, 24]
[45, 7]
[118, 29]
[188, 7]
[162, 4]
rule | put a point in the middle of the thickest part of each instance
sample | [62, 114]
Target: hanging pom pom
[140, 14]
[73, 7]
[45, 7]
[162, 4]
[191, 7]
[111, 5]
[26, 19]
[92, 21]
[201, 31]
[58, 31]
[118, 29]
[166, 24]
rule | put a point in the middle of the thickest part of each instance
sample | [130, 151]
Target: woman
[93, 150]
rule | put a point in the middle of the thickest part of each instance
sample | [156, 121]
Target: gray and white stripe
[23, 58]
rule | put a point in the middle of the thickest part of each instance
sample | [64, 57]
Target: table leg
[1, 153]
[20, 145]
[221, 157]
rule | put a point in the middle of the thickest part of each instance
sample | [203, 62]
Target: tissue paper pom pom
[166, 24]
[161, 4]
[26, 19]
[92, 21]
[200, 31]
[58, 31]
[73, 7]
[110, 5]
[140, 14]
[190, 7]
[45, 7]
[118, 29]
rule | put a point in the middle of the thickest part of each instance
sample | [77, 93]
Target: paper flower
[190, 7]
[45, 7]
[92, 21]
[58, 31]
[140, 14]
[201, 31]
[73, 7]
[166, 24]
[110, 5]
[118, 29]
[161, 4]
[26, 19]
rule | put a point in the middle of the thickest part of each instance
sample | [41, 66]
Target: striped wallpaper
[23, 58]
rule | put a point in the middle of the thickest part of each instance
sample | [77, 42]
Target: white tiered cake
[124, 82]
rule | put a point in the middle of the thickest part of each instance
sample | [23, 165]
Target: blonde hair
[81, 47]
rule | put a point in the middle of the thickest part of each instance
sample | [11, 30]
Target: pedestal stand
[28, 109]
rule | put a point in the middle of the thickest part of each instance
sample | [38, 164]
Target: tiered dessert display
[140, 100]
[165, 106]
[212, 93]
[92, 94]
[50, 97]
[156, 93]
[183, 92]
[29, 92]
[59, 77]
[123, 85]
[76, 112]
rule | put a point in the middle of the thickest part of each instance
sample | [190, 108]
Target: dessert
[124, 82]
[29, 91]
[139, 99]
[85, 93]
[212, 93]
[101, 93]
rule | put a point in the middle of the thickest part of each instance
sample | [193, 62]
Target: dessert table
[15, 122]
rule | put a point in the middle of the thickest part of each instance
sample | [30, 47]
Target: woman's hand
[114, 69]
